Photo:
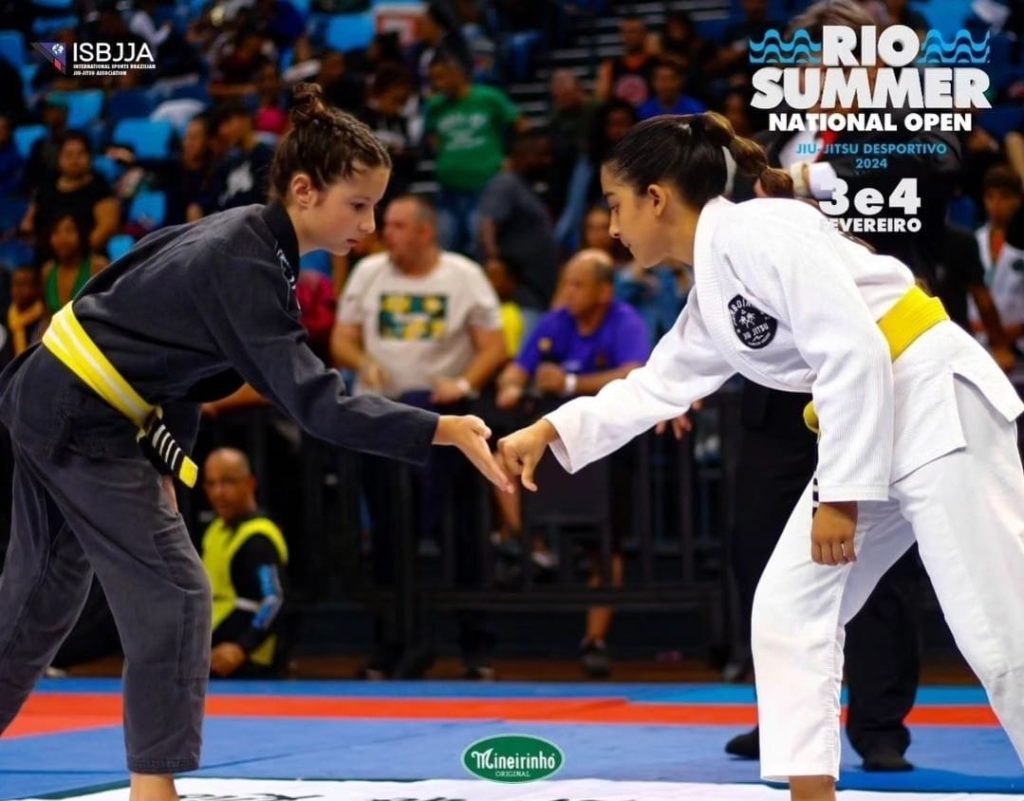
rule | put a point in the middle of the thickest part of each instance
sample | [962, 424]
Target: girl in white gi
[917, 431]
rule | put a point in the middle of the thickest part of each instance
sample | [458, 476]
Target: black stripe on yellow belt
[70, 343]
[913, 314]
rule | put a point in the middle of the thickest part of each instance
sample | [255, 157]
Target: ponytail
[688, 150]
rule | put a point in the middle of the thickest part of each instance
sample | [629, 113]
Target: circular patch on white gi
[754, 328]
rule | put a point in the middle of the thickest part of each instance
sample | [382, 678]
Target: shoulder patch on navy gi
[754, 328]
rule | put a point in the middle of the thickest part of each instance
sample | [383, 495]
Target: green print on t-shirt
[405, 316]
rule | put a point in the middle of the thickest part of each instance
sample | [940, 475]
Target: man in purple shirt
[592, 341]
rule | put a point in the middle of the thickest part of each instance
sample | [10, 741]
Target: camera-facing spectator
[668, 82]
[72, 265]
[1003, 263]
[628, 77]
[26, 316]
[245, 556]
[270, 117]
[77, 190]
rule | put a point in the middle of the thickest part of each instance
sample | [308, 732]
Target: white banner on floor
[477, 790]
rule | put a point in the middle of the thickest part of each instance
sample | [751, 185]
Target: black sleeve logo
[754, 328]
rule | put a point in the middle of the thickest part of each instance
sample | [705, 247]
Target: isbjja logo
[868, 70]
[54, 53]
[513, 759]
[97, 59]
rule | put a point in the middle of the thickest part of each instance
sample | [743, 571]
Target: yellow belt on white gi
[913, 314]
[68, 341]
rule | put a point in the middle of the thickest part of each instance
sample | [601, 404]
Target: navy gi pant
[86, 500]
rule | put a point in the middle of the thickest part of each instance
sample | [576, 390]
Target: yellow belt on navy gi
[913, 314]
[67, 340]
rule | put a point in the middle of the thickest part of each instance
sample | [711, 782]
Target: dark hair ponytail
[324, 142]
[688, 151]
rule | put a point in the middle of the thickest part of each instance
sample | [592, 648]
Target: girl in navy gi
[187, 316]
[916, 424]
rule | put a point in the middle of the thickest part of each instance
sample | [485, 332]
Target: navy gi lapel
[280, 225]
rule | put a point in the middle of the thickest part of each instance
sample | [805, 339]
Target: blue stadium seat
[15, 253]
[712, 29]
[84, 107]
[47, 26]
[191, 91]
[150, 139]
[28, 73]
[12, 212]
[318, 261]
[25, 136]
[12, 47]
[129, 103]
[61, 4]
[108, 168]
[119, 245]
[177, 112]
[148, 209]
[346, 32]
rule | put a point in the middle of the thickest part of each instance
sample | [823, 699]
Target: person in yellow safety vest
[243, 552]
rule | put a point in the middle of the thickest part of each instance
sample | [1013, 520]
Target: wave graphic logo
[773, 49]
[961, 50]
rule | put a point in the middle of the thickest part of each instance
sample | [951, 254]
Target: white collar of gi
[710, 216]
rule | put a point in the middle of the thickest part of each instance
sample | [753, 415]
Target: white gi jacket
[791, 304]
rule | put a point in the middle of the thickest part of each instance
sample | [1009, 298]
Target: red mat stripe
[50, 713]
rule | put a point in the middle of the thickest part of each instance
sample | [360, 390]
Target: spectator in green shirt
[466, 125]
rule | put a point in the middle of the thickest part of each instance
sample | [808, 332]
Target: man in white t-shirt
[423, 325]
[416, 318]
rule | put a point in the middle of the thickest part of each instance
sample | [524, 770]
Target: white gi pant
[966, 511]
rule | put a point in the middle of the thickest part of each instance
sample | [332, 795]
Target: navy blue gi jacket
[187, 316]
